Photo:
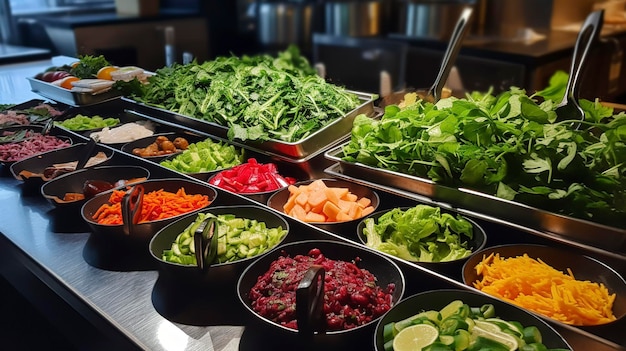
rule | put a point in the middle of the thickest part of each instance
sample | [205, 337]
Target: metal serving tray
[69, 97]
[303, 148]
[567, 229]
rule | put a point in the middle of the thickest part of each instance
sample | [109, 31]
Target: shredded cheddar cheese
[535, 285]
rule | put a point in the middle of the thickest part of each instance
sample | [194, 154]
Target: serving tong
[87, 153]
[131, 208]
[568, 108]
[205, 243]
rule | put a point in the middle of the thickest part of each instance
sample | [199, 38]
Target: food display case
[105, 296]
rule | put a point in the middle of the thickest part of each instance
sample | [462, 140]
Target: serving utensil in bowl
[125, 246]
[435, 92]
[384, 269]
[568, 108]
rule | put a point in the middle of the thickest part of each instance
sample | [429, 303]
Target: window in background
[15, 13]
[35, 6]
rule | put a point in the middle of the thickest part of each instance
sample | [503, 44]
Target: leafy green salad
[509, 145]
[420, 234]
[257, 97]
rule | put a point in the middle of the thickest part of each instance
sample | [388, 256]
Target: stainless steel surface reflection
[124, 299]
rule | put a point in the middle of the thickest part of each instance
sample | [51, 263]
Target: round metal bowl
[583, 267]
[476, 243]
[438, 299]
[144, 142]
[280, 197]
[386, 271]
[73, 182]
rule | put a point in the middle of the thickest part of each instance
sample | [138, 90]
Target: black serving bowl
[584, 268]
[107, 244]
[476, 243]
[386, 271]
[31, 170]
[280, 197]
[437, 299]
[215, 272]
[261, 196]
[190, 295]
[36, 129]
[144, 142]
[118, 143]
[204, 176]
[122, 118]
[73, 182]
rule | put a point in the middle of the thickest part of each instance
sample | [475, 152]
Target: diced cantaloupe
[291, 201]
[342, 217]
[298, 212]
[316, 202]
[364, 202]
[351, 197]
[331, 210]
[317, 197]
[302, 198]
[315, 217]
[367, 210]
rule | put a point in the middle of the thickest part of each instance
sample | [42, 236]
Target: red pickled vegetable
[251, 177]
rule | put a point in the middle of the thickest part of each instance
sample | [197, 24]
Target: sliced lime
[415, 337]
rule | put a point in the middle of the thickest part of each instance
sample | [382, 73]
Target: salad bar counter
[144, 242]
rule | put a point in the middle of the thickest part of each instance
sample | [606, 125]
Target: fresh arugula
[507, 145]
[257, 97]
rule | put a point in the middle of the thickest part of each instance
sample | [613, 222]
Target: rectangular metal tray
[312, 144]
[567, 229]
[69, 97]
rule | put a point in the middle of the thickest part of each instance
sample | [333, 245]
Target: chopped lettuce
[420, 234]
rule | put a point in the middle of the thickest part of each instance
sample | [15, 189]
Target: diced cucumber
[531, 334]
[389, 331]
[450, 309]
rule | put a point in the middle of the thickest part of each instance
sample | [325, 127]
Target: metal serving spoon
[434, 93]
[568, 108]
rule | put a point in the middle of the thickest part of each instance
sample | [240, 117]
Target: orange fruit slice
[105, 72]
[67, 82]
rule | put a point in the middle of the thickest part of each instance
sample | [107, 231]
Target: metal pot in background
[429, 18]
[354, 18]
[280, 23]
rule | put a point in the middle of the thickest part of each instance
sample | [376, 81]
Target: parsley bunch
[508, 145]
[88, 66]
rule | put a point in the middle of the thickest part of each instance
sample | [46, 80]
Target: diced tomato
[251, 177]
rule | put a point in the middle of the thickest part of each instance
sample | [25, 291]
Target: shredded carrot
[156, 205]
[535, 285]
